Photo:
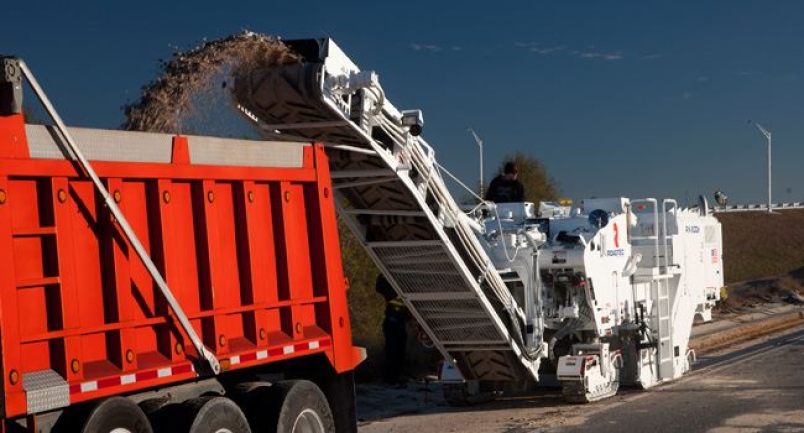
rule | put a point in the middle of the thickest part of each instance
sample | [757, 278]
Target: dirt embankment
[763, 259]
[758, 246]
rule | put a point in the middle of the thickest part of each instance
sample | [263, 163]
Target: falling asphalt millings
[175, 94]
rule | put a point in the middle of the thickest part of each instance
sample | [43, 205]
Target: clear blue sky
[631, 98]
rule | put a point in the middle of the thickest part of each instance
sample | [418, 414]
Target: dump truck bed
[244, 233]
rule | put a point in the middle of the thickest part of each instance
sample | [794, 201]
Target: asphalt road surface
[758, 387]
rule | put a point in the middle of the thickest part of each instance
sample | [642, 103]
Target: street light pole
[480, 145]
[767, 135]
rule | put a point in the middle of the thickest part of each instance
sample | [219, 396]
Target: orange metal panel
[203, 197]
[180, 152]
[13, 141]
[259, 279]
[296, 242]
[329, 279]
[168, 262]
[86, 227]
[130, 292]
[256, 261]
[37, 295]
[293, 260]
[244, 254]
[180, 261]
[223, 262]
[62, 222]
[9, 313]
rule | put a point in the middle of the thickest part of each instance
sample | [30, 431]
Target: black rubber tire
[213, 414]
[298, 406]
[208, 414]
[116, 413]
[340, 392]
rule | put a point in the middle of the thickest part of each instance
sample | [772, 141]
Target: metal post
[770, 203]
[480, 145]
[767, 135]
[482, 180]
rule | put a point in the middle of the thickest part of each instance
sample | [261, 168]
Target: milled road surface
[751, 388]
[758, 389]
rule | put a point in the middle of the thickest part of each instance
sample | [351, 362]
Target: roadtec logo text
[615, 253]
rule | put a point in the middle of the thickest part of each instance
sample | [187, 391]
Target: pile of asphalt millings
[197, 78]
[745, 295]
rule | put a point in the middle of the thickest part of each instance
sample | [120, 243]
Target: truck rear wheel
[299, 406]
[208, 414]
[216, 415]
[116, 415]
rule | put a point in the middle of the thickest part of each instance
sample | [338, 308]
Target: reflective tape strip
[128, 379]
[89, 386]
[160, 373]
[279, 351]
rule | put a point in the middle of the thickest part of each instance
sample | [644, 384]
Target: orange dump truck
[167, 283]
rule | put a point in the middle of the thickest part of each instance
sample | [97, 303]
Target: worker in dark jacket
[506, 188]
[394, 331]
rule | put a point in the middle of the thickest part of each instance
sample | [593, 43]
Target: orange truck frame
[244, 235]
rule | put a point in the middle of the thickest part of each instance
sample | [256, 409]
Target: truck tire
[118, 415]
[299, 406]
[215, 415]
[339, 388]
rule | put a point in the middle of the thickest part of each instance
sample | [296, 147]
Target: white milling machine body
[620, 282]
[473, 284]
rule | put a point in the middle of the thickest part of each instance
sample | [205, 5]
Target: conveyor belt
[395, 201]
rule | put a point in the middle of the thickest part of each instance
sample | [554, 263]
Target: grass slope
[759, 246]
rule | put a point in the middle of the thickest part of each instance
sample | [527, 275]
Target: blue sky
[628, 98]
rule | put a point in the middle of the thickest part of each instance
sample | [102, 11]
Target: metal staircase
[657, 270]
[664, 328]
[394, 200]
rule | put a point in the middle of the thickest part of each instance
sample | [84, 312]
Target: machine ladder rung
[666, 357]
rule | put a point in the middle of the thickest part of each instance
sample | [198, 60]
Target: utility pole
[767, 135]
[480, 145]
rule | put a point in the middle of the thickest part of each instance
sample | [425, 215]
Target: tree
[533, 175]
